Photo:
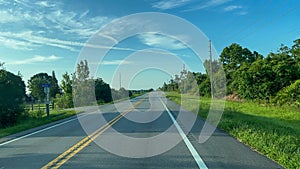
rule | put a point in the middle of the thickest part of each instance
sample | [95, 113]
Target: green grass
[36, 119]
[273, 131]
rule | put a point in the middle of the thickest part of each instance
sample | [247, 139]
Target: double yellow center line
[64, 157]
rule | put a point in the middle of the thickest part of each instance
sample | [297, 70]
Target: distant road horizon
[66, 145]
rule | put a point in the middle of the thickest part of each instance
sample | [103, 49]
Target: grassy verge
[36, 119]
[273, 131]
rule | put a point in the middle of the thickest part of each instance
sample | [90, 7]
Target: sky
[46, 36]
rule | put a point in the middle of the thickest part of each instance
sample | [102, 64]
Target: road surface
[66, 145]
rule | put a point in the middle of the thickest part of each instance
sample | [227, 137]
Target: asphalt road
[146, 137]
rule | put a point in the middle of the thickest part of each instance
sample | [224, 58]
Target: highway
[150, 125]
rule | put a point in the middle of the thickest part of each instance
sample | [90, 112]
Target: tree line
[13, 91]
[249, 75]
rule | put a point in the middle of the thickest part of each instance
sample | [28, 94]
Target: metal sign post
[47, 90]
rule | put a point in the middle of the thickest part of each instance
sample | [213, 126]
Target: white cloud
[52, 17]
[6, 16]
[78, 24]
[16, 44]
[44, 4]
[170, 4]
[160, 41]
[36, 59]
[208, 4]
[84, 14]
[27, 41]
[115, 62]
[232, 7]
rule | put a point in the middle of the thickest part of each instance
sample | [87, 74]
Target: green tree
[102, 91]
[12, 95]
[54, 88]
[232, 58]
[65, 100]
[35, 85]
[83, 88]
[66, 84]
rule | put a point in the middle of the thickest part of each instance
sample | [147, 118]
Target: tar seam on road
[65, 156]
[42, 130]
[187, 142]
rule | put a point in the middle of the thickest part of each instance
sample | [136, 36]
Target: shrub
[12, 94]
[289, 95]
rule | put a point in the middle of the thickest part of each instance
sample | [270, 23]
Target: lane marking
[42, 130]
[68, 154]
[187, 142]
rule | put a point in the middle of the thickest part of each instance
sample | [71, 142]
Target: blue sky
[41, 36]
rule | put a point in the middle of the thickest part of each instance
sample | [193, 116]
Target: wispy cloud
[16, 44]
[115, 62]
[232, 7]
[35, 59]
[159, 41]
[169, 4]
[28, 41]
[208, 4]
[44, 4]
[51, 17]
[6, 16]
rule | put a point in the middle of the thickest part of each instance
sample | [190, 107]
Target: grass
[35, 119]
[273, 131]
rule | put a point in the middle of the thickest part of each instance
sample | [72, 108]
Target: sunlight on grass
[273, 131]
[36, 119]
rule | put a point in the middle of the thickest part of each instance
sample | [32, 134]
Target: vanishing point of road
[65, 144]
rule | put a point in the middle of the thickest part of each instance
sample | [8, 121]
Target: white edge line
[42, 130]
[193, 151]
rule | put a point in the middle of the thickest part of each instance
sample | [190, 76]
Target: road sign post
[47, 90]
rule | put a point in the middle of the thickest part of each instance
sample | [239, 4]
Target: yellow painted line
[65, 156]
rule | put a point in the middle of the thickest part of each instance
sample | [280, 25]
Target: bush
[289, 95]
[12, 94]
[64, 101]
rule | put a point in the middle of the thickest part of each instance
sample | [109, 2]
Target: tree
[82, 73]
[66, 84]
[12, 94]
[295, 52]
[102, 91]
[65, 100]
[35, 85]
[54, 88]
[83, 85]
[232, 58]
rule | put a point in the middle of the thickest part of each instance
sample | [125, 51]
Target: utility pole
[120, 80]
[211, 73]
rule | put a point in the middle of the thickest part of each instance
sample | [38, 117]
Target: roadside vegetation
[20, 111]
[35, 118]
[271, 130]
[262, 98]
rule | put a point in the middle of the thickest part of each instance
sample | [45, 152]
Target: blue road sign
[46, 85]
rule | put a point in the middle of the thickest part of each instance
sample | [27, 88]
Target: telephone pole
[120, 80]
[211, 73]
